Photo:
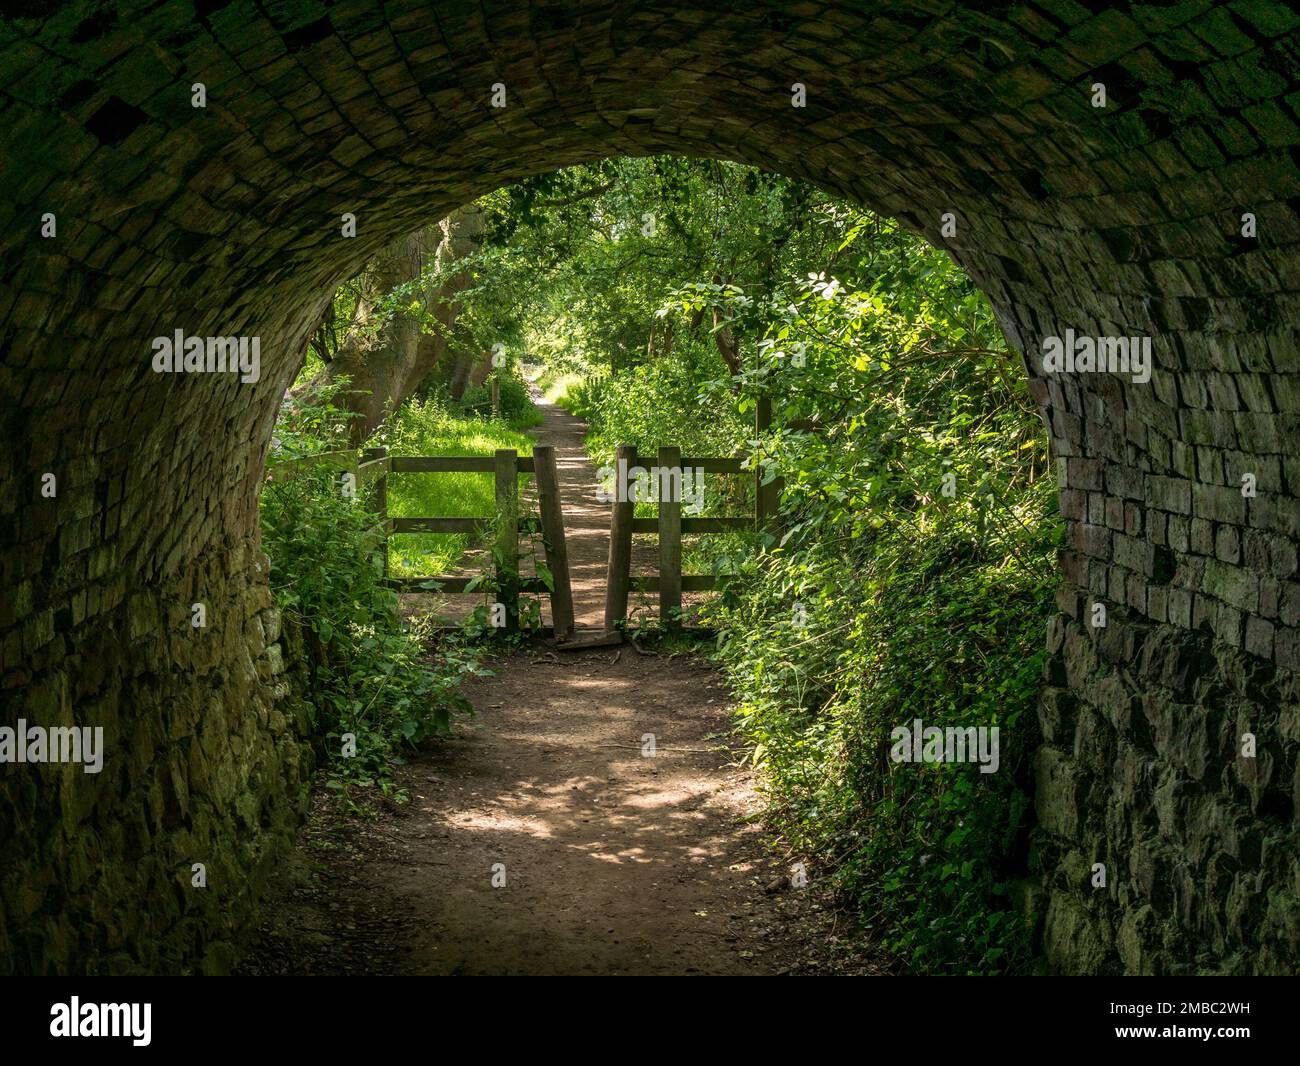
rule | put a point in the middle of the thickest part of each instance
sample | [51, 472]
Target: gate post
[381, 501]
[557, 552]
[507, 544]
[670, 536]
[618, 577]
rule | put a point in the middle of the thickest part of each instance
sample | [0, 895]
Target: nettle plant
[310, 422]
[377, 687]
[501, 570]
[916, 533]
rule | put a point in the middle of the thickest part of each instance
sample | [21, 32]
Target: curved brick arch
[225, 220]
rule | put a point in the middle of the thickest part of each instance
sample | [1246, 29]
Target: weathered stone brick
[1180, 607]
[1286, 649]
[1259, 637]
[1232, 584]
[1219, 504]
[1227, 544]
[1169, 494]
[228, 225]
[1179, 533]
[1202, 536]
[1115, 513]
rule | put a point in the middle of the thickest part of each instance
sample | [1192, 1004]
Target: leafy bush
[909, 623]
[373, 675]
[917, 531]
[660, 403]
[559, 388]
[578, 396]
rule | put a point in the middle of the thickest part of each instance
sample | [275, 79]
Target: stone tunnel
[1169, 211]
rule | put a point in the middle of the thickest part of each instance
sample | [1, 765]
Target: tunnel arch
[225, 220]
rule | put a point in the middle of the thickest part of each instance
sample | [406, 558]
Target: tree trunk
[385, 366]
[728, 346]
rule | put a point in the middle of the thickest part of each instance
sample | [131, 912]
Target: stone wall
[1143, 772]
[201, 765]
[226, 220]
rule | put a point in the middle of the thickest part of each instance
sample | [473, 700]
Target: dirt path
[614, 860]
[586, 519]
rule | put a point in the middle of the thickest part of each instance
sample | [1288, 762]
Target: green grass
[430, 429]
[557, 389]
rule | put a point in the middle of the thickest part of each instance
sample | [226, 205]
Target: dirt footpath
[592, 817]
[607, 860]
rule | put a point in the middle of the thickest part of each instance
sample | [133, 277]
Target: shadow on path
[614, 861]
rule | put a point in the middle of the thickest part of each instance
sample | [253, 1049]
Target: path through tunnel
[132, 214]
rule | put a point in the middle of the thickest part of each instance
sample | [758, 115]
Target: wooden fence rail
[671, 526]
[375, 465]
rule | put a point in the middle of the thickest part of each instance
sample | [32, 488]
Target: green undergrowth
[563, 390]
[378, 684]
[432, 427]
[831, 647]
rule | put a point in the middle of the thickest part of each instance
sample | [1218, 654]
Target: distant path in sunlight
[586, 519]
[614, 861]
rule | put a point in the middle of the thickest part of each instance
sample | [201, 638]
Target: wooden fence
[375, 465]
[670, 525]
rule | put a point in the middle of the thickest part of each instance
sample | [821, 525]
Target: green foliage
[911, 623]
[308, 425]
[917, 523]
[919, 603]
[372, 675]
[660, 404]
[431, 427]
[576, 263]
[578, 395]
[556, 387]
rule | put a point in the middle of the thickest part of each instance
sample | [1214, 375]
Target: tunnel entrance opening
[1122, 220]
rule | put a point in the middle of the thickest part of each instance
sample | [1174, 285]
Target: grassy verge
[559, 388]
[429, 428]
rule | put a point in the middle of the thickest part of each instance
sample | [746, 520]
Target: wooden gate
[505, 465]
[670, 525]
[374, 466]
